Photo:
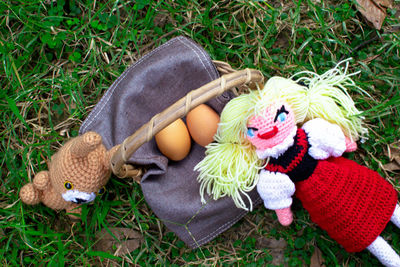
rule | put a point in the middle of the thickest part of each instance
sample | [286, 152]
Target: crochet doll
[287, 139]
[77, 173]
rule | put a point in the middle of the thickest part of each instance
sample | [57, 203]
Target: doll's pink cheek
[284, 129]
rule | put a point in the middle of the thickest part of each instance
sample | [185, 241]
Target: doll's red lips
[269, 134]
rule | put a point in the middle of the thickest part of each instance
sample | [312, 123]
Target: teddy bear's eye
[102, 190]
[68, 185]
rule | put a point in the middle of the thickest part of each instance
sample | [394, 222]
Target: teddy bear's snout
[78, 197]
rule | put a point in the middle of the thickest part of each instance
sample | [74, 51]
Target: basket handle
[178, 110]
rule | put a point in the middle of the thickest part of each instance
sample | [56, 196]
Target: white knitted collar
[279, 149]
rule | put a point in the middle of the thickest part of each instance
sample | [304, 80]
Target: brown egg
[174, 140]
[202, 122]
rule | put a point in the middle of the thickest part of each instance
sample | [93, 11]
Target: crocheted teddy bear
[77, 173]
[288, 139]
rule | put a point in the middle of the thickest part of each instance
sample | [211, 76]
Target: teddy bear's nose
[80, 200]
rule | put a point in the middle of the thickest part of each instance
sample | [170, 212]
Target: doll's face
[271, 127]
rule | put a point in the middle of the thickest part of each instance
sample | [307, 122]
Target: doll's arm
[350, 145]
[326, 139]
[276, 190]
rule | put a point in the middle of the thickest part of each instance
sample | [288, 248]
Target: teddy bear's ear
[82, 145]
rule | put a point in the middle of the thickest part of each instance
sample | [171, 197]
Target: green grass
[59, 57]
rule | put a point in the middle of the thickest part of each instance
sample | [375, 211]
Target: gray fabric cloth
[153, 83]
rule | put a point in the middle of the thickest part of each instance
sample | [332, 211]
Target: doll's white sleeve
[276, 189]
[326, 139]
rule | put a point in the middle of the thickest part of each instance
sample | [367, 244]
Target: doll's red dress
[349, 201]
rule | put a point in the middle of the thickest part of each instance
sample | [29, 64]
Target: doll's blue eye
[282, 117]
[281, 114]
[250, 131]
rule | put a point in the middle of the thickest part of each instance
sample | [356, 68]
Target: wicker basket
[230, 80]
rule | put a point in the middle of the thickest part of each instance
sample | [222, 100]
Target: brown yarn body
[82, 162]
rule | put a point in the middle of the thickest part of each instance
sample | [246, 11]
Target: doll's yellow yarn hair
[328, 98]
[231, 166]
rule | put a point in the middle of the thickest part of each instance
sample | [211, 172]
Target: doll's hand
[285, 216]
[350, 145]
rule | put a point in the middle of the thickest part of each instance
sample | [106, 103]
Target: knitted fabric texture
[290, 161]
[279, 149]
[276, 189]
[285, 216]
[384, 252]
[272, 127]
[351, 202]
[324, 145]
[76, 173]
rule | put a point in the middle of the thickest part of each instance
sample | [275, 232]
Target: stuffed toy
[77, 173]
[288, 139]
